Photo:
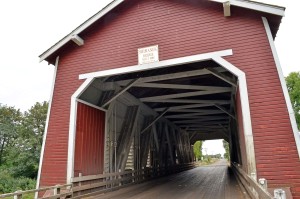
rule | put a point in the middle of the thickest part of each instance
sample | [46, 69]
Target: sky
[30, 27]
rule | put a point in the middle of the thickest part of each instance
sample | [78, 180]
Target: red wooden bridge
[140, 81]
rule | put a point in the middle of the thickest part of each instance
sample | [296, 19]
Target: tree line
[21, 137]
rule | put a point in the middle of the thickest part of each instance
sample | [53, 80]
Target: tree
[293, 86]
[10, 121]
[226, 147]
[21, 137]
[25, 156]
[198, 150]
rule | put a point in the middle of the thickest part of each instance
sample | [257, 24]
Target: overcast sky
[30, 27]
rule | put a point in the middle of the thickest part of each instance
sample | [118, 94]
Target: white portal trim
[275, 10]
[283, 85]
[46, 127]
[215, 56]
[72, 128]
[156, 65]
[247, 124]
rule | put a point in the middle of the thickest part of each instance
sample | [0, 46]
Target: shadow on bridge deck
[210, 182]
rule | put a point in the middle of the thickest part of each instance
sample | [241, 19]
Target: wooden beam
[225, 111]
[201, 125]
[201, 120]
[184, 101]
[180, 95]
[181, 86]
[194, 110]
[126, 135]
[187, 106]
[226, 9]
[172, 76]
[154, 130]
[169, 144]
[157, 118]
[221, 76]
[194, 114]
[123, 90]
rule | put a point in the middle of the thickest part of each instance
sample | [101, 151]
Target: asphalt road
[208, 182]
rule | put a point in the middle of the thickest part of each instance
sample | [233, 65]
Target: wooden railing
[254, 189]
[84, 186]
[57, 192]
[96, 184]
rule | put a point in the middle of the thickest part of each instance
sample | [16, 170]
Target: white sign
[148, 54]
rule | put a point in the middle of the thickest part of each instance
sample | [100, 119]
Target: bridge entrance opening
[149, 119]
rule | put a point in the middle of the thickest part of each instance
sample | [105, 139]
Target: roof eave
[261, 7]
[275, 10]
[79, 29]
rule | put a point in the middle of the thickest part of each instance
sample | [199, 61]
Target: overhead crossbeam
[221, 76]
[200, 120]
[194, 114]
[188, 106]
[225, 111]
[155, 120]
[185, 87]
[185, 101]
[202, 125]
[177, 75]
[123, 90]
[195, 110]
[180, 95]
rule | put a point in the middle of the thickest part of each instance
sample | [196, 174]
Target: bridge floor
[210, 182]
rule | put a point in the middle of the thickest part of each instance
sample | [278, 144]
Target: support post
[169, 144]
[125, 138]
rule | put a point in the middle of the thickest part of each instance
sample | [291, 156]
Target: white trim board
[72, 127]
[247, 124]
[215, 56]
[46, 128]
[283, 85]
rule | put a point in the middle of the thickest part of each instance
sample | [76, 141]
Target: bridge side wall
[89, 144]
[180, 29]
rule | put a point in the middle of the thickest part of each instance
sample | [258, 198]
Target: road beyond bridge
[210, 182]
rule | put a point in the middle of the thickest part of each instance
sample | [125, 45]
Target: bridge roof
[256, 6]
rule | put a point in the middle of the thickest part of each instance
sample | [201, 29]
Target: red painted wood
[89, 147]
[180, 29]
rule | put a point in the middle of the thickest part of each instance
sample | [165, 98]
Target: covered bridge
[140, 81]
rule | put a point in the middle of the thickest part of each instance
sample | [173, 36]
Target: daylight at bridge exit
[160, 99]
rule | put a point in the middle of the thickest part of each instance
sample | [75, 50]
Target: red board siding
[89, 145]
[181, 29]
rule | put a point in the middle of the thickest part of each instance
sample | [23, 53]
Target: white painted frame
[72, 125]
[247, 124]
[46, 127]
[215, 56]
[283, 85]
